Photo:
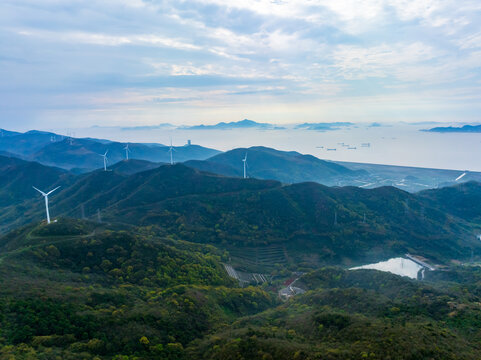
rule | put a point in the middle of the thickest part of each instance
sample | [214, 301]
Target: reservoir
[398, 266]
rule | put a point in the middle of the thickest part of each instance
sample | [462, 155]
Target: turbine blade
[40, 191]
[460, 177]
[51, 191]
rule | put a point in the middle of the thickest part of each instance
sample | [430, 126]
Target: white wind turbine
[127, 150]
[105, 160]
[45, 195]
[244, 160]
[461, 176]
[171, 151]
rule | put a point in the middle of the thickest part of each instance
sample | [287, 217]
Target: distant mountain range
[83, 155]
[453, 129]
[243, 124]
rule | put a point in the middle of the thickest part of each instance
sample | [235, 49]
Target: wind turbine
[244, 160]
[45, 195]
[171, 151]
[105, 160]
[461, 176]
[127, 150]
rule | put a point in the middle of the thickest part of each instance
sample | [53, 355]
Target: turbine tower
[45, 195]
[171, 151]
[127, 150]
[105, 160]
[244, 160]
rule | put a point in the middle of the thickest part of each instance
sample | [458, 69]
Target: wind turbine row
[127, 151]
[45, 195]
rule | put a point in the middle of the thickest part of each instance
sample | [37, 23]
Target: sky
[139, 62]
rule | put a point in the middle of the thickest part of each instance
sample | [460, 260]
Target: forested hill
[18, 176]
[133, 166]
[82, 290]
[338, 225]
[285, 166]
[77, 290]
[462, 200]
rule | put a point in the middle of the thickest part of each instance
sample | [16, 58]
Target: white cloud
[110, 40]
[301, 51]
[471, 41]
[356, 62]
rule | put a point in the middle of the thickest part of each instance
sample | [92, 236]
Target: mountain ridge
[242, 124]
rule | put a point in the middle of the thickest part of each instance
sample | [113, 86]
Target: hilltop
[310, 223]
[133, 166]
[285, 166]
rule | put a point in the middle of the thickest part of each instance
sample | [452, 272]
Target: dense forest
[176, 263]
[82, 290]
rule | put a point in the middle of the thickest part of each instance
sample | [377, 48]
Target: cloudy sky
[133, 62]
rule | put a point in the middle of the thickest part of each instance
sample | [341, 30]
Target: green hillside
[462, 200]
[133, 166]
[356, 315]
[315, 224]
[284, 166]
[308, 224]
[81, 290]
[74, 290]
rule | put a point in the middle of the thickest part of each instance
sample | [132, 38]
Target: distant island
[453, 129]
[243, 124]
[324, 126]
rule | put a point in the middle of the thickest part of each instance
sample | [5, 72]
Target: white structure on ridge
[171, 151]
[45, 195]
[105, 160]
[127, 150]
[244, 160]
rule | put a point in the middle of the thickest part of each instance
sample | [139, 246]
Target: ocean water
[394, 144]
[398, 266]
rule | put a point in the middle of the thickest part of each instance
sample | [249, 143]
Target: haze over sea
[393, 144]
